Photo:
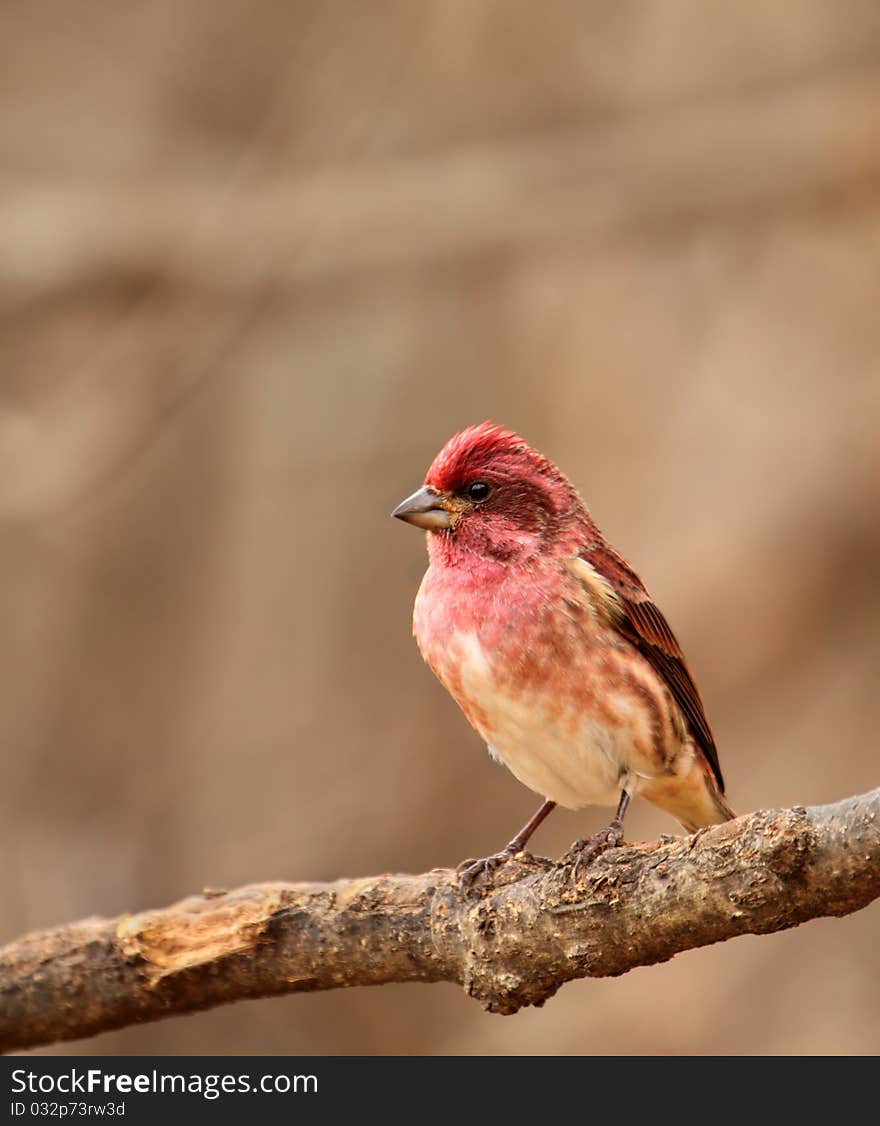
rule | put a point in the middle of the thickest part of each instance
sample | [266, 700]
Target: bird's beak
[428, 509]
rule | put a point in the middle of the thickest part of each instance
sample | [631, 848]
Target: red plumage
[483, 448]
[549, 641]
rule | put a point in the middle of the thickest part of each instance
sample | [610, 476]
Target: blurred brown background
[257, 261]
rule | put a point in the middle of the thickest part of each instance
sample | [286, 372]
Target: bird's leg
[582, 852]
[523, 837]
[488, 864]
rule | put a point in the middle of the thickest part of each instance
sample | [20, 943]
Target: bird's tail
[713, 810]
[692, 797]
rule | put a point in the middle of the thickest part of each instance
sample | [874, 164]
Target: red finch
[551, 645]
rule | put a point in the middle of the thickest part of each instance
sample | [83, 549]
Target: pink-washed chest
[558, 696]
[499, 633]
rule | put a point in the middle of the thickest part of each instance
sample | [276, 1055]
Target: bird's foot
[583, 852]
[472, 872]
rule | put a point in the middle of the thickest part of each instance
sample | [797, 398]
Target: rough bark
[533, 930]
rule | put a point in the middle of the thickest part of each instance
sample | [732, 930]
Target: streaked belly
[572, 736]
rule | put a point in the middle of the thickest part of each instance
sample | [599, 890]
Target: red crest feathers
[483, 449]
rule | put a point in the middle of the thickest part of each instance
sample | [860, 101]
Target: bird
[552, 647]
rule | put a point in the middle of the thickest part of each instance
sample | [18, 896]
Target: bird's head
[489, 493]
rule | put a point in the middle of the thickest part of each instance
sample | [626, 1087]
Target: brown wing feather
[642, 623]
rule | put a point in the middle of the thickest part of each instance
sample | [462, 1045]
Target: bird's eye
[478, 490]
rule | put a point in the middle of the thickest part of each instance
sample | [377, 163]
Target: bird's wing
[618, 592]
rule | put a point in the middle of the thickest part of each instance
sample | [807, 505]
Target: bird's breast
[567, 704]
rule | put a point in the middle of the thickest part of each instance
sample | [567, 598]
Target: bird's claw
[471, 871]
[583, 852]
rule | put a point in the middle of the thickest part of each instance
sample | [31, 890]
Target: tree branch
[533, 931]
